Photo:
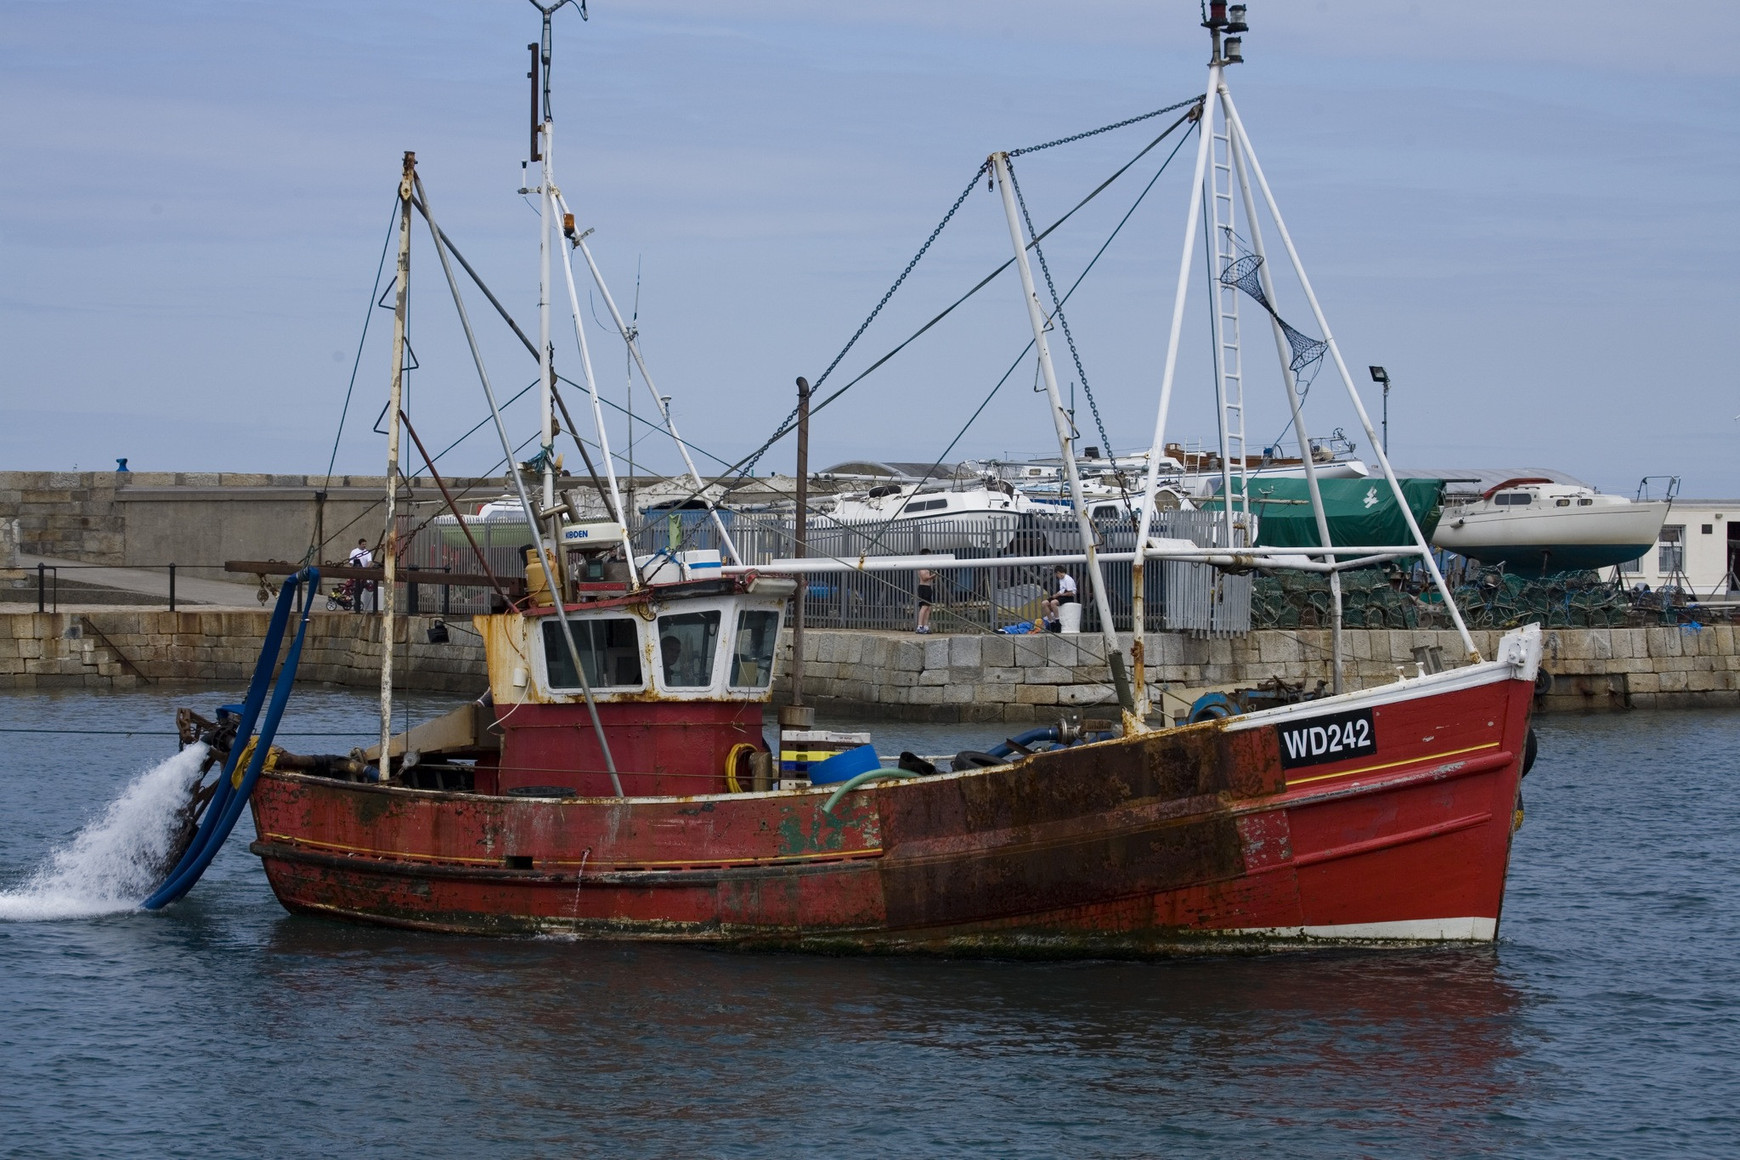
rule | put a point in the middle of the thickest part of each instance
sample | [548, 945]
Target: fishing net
[1241, 272]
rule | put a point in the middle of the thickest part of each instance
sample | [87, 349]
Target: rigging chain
[1057, 312]
[1105, 128]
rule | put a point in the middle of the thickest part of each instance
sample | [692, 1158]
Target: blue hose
[1049, 733]
[226, 804]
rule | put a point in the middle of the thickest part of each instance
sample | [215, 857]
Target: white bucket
[1069, 616]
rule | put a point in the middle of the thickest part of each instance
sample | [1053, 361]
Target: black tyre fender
[1531, 749]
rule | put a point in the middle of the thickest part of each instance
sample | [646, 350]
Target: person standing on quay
[926, 594]
[360, 557]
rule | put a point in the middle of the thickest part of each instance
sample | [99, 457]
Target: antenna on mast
[541, 63]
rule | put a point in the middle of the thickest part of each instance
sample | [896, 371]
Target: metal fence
[1181, 596]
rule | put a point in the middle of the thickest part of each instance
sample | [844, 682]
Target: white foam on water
[113, 864]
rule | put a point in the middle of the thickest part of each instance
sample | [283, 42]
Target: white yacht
[1535, 526]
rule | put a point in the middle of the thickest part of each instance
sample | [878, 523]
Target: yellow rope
[737, 751]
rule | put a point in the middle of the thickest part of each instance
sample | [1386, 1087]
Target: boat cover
[1360, 511]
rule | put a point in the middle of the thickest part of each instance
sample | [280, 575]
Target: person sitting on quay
[1065, 594]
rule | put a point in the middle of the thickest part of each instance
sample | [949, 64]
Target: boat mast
[546, 208]
[1061, 421]
[1229, 359]
[1289, 381]
[390, 541]
[1422, 548]
[1181, 291]
[630, 336]
[615, 491]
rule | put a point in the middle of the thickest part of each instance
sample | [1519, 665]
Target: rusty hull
[1184, 840]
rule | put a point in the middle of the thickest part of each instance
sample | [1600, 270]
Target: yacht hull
[1553, 540]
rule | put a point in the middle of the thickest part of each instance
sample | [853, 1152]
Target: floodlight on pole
[1379, 375]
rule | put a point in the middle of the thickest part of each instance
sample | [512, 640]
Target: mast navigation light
[1216, 14]
[1233, 51]
[1235, 19]
[1379, 375]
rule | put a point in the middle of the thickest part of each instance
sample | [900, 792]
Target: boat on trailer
[614, 782]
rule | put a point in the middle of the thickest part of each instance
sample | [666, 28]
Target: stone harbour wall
[197, 519]
[881, 674]
[1032, 678]
[125, 649]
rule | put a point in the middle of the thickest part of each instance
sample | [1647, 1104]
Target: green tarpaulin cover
[1362, 512]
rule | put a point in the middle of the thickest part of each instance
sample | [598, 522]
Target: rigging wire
[356, 363]
[1086, 270]
[886, 524]
[746, 466]
[1062, 320]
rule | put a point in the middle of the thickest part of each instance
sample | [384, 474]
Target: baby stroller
[342, 596]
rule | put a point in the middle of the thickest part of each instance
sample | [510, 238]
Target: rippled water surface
[1606, 1022]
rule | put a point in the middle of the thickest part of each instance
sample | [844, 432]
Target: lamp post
[1379, 375]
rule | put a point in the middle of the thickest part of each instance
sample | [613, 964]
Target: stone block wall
[1023, 679]
[197, 519]
[61, 650]
[69, 514]
[885, 674]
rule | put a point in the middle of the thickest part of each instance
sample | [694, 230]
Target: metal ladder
[1229, 361]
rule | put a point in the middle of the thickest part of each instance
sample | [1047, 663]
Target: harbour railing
[975, 595]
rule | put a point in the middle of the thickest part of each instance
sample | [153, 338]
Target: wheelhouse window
[687, 642]
[752, 651]
[1512, 498]
[609, 651]
[1671, 549]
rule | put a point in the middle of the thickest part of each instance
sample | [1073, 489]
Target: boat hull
[1533, 542]
[1193, 839]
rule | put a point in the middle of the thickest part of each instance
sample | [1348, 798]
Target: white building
[1698, 548]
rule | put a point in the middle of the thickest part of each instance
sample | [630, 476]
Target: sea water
[1606, 1022]
[116, 860]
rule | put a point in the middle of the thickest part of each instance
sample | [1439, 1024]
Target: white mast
[1060, 420]
[1289, 382]
[619, 511]
[546, 208]
[390, 541]
[1138, 566]
[633, 342]
[1422, 548]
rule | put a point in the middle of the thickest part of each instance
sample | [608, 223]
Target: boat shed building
[1698, 549]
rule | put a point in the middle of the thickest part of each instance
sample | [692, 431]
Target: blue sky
[1532, 223]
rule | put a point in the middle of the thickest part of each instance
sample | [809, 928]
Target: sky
[1529, 220]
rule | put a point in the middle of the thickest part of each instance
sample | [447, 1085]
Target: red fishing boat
[1380, 815]
[614, 780]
